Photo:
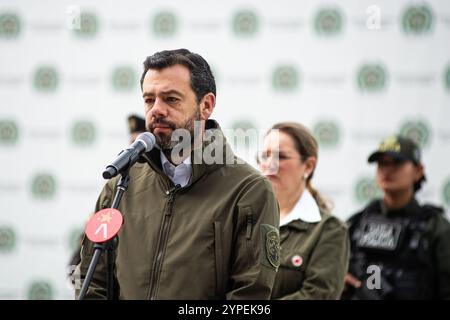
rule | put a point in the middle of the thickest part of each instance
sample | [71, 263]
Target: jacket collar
[305, 209]
[295, 225]
[213, 140]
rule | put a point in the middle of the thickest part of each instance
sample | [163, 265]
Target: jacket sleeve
[255, 250]
[97, 287]
[442, 254]
[325, 272]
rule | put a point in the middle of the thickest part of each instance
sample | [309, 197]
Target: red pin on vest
[104, 225]
[297, 261]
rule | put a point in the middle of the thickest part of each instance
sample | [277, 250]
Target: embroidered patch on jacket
[273, 248]
[270, 246]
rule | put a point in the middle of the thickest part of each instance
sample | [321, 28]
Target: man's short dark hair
[202, 79]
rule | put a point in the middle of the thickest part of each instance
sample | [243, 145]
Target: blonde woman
[314, 244]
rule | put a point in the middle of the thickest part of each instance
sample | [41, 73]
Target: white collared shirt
[180, 174]
[306, 209]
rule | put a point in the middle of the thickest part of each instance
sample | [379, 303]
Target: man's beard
[165, 141]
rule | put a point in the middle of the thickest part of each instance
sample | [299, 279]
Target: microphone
[128, 157]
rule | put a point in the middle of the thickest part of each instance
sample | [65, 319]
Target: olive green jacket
[216, 238]
[314, 259]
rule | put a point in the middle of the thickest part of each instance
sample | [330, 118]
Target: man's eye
[171, 99]
[149, 101]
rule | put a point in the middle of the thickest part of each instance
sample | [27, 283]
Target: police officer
[136, 126]
[399, 248]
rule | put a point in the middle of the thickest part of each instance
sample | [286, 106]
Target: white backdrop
[352, 71]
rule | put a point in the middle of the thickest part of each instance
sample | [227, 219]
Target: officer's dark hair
[306, 146]
[202, 80]
[418, 183]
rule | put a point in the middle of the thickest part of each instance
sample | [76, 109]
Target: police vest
[399, 247]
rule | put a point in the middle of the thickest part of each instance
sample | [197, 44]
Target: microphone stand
[110, 246]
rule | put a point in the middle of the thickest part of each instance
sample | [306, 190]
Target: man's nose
[159, 109]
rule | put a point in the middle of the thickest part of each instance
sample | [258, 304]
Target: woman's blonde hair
[306, 146]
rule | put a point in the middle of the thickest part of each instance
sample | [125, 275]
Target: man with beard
[194, 228]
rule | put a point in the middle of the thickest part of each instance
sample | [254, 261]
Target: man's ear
[207, 105]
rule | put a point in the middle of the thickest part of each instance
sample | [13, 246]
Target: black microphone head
[109, 172]
[148, 139]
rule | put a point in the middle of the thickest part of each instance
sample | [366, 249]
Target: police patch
[273, 248]
[379, 235]
[270, 246]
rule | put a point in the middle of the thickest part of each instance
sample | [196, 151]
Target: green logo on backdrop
[165, 24]
[7, 239]
[124, 78]
[418, 131]
[446, 192]
[40, 290]
[447, 78]
[9, 133]
[43, 186]
[372, 78]
[88, 25]
[83, 133]
[417, 19]
[327, 133]
[328, 22]
[46, 79]
[245, 23]
[9, 25]
[285, 78]
[366, 190]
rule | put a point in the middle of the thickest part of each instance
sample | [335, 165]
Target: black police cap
[398, 147]
[136, 123]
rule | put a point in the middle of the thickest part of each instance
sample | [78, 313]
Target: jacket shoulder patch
[270, 238]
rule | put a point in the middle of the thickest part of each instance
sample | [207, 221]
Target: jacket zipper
[163, 242]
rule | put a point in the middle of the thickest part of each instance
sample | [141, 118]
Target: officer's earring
[305, 176]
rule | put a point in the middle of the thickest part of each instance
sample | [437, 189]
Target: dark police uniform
[411, 246]
[408, 249]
